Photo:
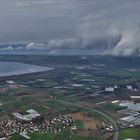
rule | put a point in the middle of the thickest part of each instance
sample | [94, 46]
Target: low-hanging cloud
[113, 40]
[34, 45]
[129, 43]
[76, 26]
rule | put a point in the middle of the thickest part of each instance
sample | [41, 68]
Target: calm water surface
[16, 68]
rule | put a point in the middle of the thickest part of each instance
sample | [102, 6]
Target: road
[116, 129]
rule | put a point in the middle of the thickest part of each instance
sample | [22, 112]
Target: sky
[71, 26]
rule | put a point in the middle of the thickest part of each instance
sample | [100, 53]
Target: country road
[116, 129]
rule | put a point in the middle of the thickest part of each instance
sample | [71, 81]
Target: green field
[114, 107]
[130, 133]
[50, 136]
[79, 124]
[44, 97]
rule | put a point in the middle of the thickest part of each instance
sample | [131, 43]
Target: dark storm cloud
[110, 26]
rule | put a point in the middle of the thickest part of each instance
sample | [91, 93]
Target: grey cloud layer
[109, 26]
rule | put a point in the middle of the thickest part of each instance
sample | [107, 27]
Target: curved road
[116, 128]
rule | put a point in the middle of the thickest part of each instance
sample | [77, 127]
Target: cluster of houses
[7, 90]
[3, 90]
[9, 85]
[56, 124]
[107, 127]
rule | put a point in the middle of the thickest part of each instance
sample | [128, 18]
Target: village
[32, 122]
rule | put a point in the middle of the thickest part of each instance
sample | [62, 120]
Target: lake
[16, 68]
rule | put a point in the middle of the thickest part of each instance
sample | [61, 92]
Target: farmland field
[75, 86]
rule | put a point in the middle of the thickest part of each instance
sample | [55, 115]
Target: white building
[129, 87]
[115, 102]
[129, 139]
[28, 117]
[131, 105]
[10, 82]
[135, 97]
[128, 119]
[109, 89]
[24, 134]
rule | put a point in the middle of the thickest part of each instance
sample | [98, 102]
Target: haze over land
[71, 26]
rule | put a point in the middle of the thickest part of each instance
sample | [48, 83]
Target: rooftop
[28, 117]
[131, 105]
[129, 139]
[135, 97]
[128, 119]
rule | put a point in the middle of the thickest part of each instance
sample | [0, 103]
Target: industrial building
[32, 114]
